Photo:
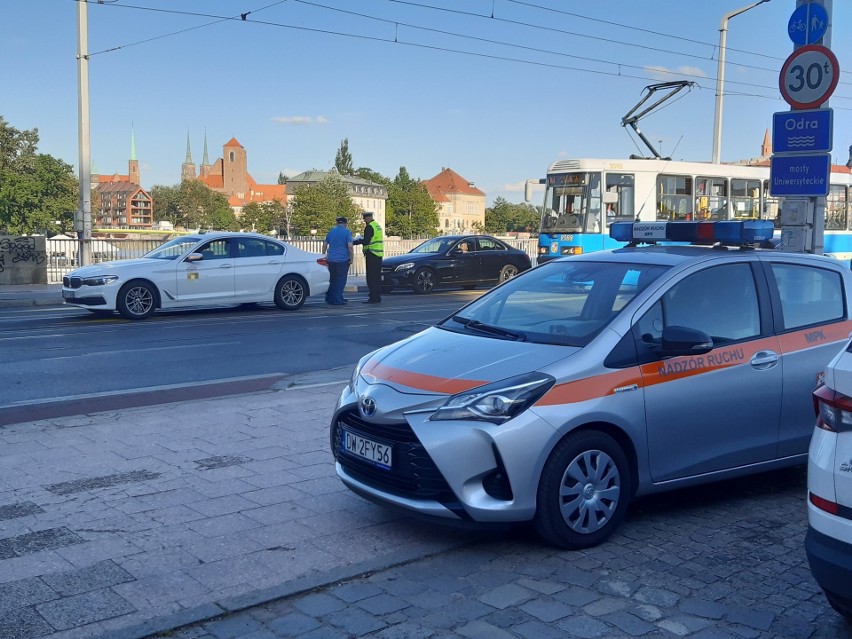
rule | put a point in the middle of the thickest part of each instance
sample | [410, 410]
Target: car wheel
[290, 293]
[508, 272]
[424, 281]
[840, 604]
[137, 300]
[583, 491]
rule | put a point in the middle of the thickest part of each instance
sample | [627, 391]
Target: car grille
[413, 475]
[72, 282]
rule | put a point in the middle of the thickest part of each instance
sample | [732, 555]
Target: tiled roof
[119, 187]
[213, 180]
[448, 182]
[233, 142]
[115, 177]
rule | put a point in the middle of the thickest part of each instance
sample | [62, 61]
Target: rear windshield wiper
[476, 325]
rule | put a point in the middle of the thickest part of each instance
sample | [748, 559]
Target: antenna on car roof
[674, 88]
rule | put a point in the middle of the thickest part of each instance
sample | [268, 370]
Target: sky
[497, 90]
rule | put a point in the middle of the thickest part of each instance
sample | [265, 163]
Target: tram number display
[809, 77]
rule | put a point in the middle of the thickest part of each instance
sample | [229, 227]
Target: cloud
[662, 73]
[301, 120]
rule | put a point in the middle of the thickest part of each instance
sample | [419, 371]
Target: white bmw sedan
[204, 269]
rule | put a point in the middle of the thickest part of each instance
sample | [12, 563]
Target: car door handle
[224, 266]
[275, 261]
[764, 359]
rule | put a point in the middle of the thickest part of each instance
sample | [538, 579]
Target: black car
[454, 260]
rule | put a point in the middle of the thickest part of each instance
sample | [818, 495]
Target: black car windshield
[173, 249]
[560, 302]
[435, 245]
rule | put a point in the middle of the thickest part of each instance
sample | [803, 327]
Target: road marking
[136, 350]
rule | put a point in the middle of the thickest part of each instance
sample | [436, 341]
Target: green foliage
[317, 205]
[343, 159]
[411, 211]
[192, 205]
[264, 218]
[36, 189]
[374, 176]
[504, 216]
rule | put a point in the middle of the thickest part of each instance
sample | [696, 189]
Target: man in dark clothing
[373, 247]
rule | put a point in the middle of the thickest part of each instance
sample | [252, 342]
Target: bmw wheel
[137, 300]
[508, 272]
[290, 293]
[424, 281]
[583, 491]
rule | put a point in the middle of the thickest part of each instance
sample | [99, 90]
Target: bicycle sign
[809, 76]
[808, 24]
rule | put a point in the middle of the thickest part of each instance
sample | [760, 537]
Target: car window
[809, 295]
[251, 247]
[721, 301]
[559, 302]
[214, 250]
[487, 244]
[436, 245]
[274, 249]
[173, 249]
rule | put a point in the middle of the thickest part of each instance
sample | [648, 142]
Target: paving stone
[584, 627]
[359, 590]
[101, 575]
[23, 623]
[383, 604]
[480, 630]
[292, 624]
[23, 593]
[95, 483]
[21, 509]
[233, 626]
[546, 610]
[320, 604]
[405, 630]
[87, 608]
[629, 624]
[505, 596]
[356, 621]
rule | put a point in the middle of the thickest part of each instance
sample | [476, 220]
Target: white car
[203, 269]
[828, 542]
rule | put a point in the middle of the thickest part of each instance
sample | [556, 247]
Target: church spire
[205, 160]
[132, 144]
[133, 163]
[188, 152]
[187, 169]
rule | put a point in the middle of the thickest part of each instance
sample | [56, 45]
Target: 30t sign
[809, 76]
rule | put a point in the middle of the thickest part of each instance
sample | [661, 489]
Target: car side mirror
[681, 340]
[193, 257]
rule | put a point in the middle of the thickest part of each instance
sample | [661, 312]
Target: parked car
[560, 395]
[828, 542]
[454, 260]
[204, 269]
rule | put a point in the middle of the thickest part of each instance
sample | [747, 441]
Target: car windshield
[560, 302]
[173, 249]
[435, 245]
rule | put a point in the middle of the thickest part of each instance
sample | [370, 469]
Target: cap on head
[367, 213]
[342, 220]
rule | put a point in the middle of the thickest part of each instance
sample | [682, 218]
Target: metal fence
[62, 254]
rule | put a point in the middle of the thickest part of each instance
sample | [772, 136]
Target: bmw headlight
[405, 266]
[497, 402]
[99, 280]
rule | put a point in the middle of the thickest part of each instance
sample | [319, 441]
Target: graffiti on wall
[22, 259]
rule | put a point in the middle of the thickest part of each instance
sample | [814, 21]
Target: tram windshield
[572, 203]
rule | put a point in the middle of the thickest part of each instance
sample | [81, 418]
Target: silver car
[563, 393]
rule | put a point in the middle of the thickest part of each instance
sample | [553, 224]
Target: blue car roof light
[732, 232]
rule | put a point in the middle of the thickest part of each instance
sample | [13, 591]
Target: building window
[231, 156]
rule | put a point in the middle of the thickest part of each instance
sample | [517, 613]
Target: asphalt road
[59, 353]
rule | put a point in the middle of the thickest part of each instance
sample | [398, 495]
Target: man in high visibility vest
[374, 248]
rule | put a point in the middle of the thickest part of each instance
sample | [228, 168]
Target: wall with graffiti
[23, 260]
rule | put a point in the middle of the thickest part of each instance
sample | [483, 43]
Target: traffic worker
[374, 249]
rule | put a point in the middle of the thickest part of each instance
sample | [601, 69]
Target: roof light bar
[727, 232]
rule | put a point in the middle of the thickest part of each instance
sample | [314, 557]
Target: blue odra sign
[801, 175]
[802, 131]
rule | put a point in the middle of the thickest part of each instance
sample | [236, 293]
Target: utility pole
[83, 215]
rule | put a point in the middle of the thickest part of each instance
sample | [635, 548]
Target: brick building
[461, 206]
[118, 201]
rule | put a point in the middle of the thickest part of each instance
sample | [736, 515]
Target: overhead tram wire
[396, 40]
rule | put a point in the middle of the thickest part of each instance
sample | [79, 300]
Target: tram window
[623, 186]
[674, 197]
[835, 208]
[711, 198]
[745, 198]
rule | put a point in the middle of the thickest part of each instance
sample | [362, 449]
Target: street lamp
[720, 79]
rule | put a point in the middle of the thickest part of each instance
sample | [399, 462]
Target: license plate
[68, 295]
[379, 454]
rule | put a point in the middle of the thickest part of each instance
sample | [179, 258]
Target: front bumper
[397, 278]
[455, 471]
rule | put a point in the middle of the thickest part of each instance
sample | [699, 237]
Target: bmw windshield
[561, 302]
[173, 249]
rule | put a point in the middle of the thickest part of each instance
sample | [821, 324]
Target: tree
[343, 159]
[411, 211]
[193, 205]
[504, 216]
[265, 217]
[316, 206]
[36, 190]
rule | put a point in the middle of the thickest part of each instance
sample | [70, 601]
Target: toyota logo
[368, 406]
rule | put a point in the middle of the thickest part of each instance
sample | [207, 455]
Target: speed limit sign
[809, 76]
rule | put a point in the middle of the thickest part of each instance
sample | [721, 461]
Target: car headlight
[498, 402]
[405, 267]
[99, 280]
[356, 373]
